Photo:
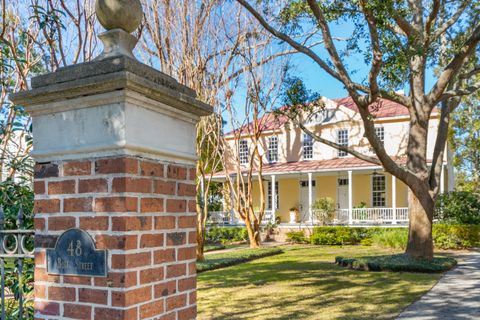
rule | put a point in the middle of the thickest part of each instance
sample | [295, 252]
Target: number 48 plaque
[75, 254]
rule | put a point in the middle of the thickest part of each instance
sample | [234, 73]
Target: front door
[342, 193]
[304, 199]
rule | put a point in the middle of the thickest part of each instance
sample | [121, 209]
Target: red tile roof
[314, 166]
[381, 109]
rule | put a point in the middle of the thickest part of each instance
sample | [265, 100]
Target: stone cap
[107, 75]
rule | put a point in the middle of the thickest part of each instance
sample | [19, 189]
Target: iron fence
[16, 253]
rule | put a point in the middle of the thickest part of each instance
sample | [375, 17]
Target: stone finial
[120, 18]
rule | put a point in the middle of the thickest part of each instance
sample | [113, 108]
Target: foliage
[465, 143]
[296, 237]
[225, 259]
[324, 210]
[395, 238]
[458, 207]
[397, 263]
[447, 236]
[225, 235]
[340, 235]
[14, 196]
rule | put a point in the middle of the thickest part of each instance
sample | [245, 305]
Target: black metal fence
[16, 269]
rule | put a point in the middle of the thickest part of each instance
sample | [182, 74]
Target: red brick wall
[143, 212]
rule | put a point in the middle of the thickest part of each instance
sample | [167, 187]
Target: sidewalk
[455, 296]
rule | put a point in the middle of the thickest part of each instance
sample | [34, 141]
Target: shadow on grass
[314, 285]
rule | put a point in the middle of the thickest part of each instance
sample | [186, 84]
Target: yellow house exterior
[298, 170]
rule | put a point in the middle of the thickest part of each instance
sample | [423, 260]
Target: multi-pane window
[342, 182]
[342, 139]
[304, 183]
[243, 151]
[272, 154]
[307, 146]
[378, 191]
[380, 133]
[269, 203]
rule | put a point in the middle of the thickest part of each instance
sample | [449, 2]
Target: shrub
[447, 236]
[458, 208]
[395, 238]
[340, 235]
[324, 210]
[226, 235]
[397, 263]
[296, 237]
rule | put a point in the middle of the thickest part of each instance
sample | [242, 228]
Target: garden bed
[397, 263]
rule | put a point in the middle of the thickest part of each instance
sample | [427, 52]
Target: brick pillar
[114, 142]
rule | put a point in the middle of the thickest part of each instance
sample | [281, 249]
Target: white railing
[218, 217]
[224, 217]
[372, 216]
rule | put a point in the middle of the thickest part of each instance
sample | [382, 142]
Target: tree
[465, 140]
[263, 83]
[401, 42]
[202, 44]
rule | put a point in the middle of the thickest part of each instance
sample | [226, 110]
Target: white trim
[350, 196]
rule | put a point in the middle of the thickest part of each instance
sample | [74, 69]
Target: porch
[357, 217]
[362, 194]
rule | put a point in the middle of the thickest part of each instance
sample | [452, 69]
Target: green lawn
[304, 283]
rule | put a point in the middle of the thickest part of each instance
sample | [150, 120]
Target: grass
[225, 259]
[304, 283]
[397, 263]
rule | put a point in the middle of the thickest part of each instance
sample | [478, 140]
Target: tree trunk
[253, 234]
[200, 240]
[420, 242]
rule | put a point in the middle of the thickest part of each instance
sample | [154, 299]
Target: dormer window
[380, 133]
[272, 153]
[342, 139]
[320, 116]
[243, 151]
[307, 146]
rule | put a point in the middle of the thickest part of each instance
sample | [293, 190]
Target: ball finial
[119, 14]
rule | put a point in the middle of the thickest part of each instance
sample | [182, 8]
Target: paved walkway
[455, 296]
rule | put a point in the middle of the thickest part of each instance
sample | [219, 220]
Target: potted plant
[293, 214]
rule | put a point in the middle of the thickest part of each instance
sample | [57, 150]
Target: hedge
[226, 235]
[445, 236]
[397, 263]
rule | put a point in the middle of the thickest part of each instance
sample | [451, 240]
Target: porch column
[350, 197]
[273, 199]
[310, 215]
[394, 199]
[232, 208]
[442, 180]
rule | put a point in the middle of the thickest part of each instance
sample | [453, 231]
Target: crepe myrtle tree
[402, 43]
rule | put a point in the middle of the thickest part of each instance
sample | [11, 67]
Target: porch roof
[336, 164]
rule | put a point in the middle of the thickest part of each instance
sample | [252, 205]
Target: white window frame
[269, 196]
[377, 194]
[380, 133]
[243, 152]
[272, 152]
[342, 139]
[307, 146]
